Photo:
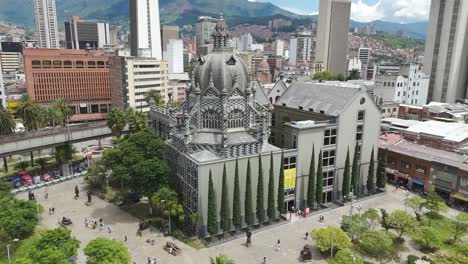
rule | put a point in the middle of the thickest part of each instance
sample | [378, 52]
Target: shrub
[345, 256]
[322, 238]
[412, 259]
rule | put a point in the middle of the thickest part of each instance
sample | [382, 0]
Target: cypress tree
[280, 200]
[371, 174]
[319, 184]
[225, 203]
[260, 195]
[311, 184]
[236, 208]
[271, 211]
[346, 176]
[212, 211]
[355, 171]
[248, 214]
[381, 171]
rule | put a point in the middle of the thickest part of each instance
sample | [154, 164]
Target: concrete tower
[145, 29]
[46, 24]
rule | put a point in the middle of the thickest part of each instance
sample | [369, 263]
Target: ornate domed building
[220, 122]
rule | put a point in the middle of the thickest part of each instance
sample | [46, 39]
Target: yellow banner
[290, 179]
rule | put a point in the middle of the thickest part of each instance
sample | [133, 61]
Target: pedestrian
[278, 245]
[101, 226]
[307, 235]
[53, 210]
[86, 221]
[109, 229]
[46, 194]
[264, 260]
[125, 238]
[155, 261]
[149, 260]
[77, 191]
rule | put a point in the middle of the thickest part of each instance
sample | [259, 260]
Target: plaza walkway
[291, 234]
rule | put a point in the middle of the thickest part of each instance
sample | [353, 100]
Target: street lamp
[8, 250]
[164, 201]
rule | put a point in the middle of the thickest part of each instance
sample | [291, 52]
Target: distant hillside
[20, 12]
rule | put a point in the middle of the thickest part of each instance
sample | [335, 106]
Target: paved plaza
[291, 234]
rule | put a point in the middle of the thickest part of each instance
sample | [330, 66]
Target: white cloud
[401, 11]
[299, 11]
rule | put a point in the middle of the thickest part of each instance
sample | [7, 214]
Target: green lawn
[21, 248]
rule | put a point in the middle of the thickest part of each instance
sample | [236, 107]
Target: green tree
[377, 245]
[7, 124]
[384, 219]
[271, 210]
[340, 77]
[434, 204]
[156, 96]
[428, 239]
[325, 76]
[63, 105]
[137, 121]
[460, 226]
[17, 217]
[260, 195]
[167, 202]
[354, 74]
[402, 222]
[105, 251]
[212, 210]
[236, 208]
[42, 162]
[116, 121]
[346, 256]
[64, 154]
[29, 112]
[248, 211]
[311, 182]
[197, 220]
[5, 188]
[22, 165]
[355, 227]
[323, 239]
[416, 203]
[47, 256]
[346, 176]
[381, 170]
[280, 198]
[225, 225]
[372, 217]
[221, 259]
[319, 184]
[371, 175]
[355, 171]
[96, 175]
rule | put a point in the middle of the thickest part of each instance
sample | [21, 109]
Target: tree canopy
[166, 200]
[325, 76]
[402, 222]
[345, 256]
[106, 251]
[323, 238]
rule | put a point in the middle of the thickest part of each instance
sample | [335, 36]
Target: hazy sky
[400, 11]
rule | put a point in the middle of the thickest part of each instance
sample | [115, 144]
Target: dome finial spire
[221, 34]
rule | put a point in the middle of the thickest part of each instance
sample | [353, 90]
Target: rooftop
[329, 98]
[448, 131]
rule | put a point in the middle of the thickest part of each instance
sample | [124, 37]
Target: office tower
[10, 56]
[131, 78]
[145, 29]
[301, 46]
[81, 76]
[446, 54]
[46, 24]
[364, 54]
[82, 34]
[332, 38]
[279, 47]
[246, 42]
[167, 33]
[175, 56]
[204, 28]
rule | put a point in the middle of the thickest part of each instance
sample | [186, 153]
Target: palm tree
[116, 121]
[221, 259]
[22, 165]
[63, 105]
[42, 162]
[137, 121]
[7, 124]
[29, 112]
[64, 154]
[156, 95]
[53, 116]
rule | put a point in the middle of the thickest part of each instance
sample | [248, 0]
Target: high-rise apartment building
[246, 42]
[131, 78]
[10, 56]
[175, 56]
[332, 39]
[46, 24]
[204, 28]
[279, 47]
[167, 33]
[446, 54]
[81, 76]
[82, 34]
[301, 48]
[364, 55]
[145, 36]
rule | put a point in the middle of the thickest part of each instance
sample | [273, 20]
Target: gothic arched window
[236, 118]
[211, 119]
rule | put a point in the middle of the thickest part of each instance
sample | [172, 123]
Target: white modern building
[354, 64]
[145, 29]
[175, 56]
[301, 46]
[446, 54]
[257, 47]
[279, 47]
[131, 78]
[83, 34]
[246, 42]
[45, 15]
[332, 38]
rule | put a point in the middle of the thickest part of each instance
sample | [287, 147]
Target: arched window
[211, 119]
[236, 118]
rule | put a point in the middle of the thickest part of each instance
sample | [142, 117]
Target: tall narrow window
[359, 132]
[330, 137]
[211, 119]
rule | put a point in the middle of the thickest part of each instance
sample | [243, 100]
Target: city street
[291, 234]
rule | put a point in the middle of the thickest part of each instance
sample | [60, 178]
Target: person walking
[53, 210]
[149, 260]
[86, 221]
[46, 196]
[125, 238]
[77, 191]
[264, 260]
[278, 245]
[307, 235]
[109, 229]
[50, 211]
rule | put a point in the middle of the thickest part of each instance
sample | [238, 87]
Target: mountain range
[180, 12]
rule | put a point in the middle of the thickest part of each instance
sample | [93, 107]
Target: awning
[460, 196]
[417, 181]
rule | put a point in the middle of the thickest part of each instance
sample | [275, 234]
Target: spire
[221, 34]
